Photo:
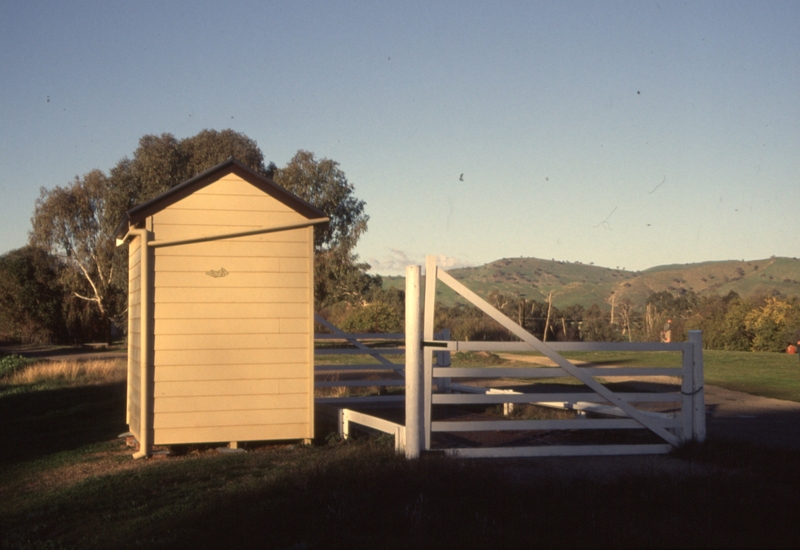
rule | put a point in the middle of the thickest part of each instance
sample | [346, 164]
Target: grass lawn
[767, 374]
[66, 481]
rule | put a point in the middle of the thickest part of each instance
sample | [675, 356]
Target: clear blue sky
[627, 134]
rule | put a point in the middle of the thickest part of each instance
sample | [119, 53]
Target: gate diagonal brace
[559, 360]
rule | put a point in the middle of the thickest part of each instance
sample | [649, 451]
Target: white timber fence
[673, 429]
[343, 381]
[373, 368]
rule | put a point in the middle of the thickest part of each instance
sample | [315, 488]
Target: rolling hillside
[577, 283]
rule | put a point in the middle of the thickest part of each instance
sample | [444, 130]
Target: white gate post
[414, 393]
[687, 401]
[698, 387]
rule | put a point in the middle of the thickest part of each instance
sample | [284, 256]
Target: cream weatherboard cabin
[220, 313]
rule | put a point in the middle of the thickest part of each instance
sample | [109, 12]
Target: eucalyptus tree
[76, 222]
[338, 274]
[71, 223]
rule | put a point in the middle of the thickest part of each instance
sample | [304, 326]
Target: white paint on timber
[414, 384]
[559, 450]
[487, 398]
[698, 393]
[549, 352]
[551, 372]
[567, 346]
[576, 424]
[353, 339]
[582, 406]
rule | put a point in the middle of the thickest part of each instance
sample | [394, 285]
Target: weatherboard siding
[233, 319]
[255, 432]
[134, 334]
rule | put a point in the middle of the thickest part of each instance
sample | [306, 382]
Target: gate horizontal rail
[671, 428]
[552, 372]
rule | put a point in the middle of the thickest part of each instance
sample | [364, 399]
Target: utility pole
[547, 320]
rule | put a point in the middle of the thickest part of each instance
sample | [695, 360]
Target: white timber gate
[420, 372]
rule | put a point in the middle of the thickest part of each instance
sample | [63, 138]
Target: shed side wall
[233, 320]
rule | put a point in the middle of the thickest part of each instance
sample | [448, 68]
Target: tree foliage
[76, 222]
[773, 324]
[72, 223]
[338, 274]
[31, 296]
[376, 317]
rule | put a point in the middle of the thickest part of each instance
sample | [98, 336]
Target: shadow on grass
[362, 495]
[43, 422]
[368, 498]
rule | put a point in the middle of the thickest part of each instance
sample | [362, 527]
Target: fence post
[414, 393]
[687, 403]
[698, 387]
[443, 360]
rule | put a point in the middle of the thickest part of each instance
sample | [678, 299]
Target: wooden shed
[221, 312]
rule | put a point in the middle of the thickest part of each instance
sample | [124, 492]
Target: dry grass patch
[91, 371]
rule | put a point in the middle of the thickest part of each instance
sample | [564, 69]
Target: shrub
[9, 364]
[377, 318]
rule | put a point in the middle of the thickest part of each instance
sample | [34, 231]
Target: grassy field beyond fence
[775, 375]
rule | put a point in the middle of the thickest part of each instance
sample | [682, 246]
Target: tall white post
[414, 381]
[687, 401]
[428, 317]
[698, 387]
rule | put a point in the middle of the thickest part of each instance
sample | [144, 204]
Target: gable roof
[231, 166]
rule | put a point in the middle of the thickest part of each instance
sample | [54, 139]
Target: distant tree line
[69, 284]
[730, 322]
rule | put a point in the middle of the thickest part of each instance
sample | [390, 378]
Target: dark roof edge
[182, 190]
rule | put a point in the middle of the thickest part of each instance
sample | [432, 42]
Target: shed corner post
[146, 353]
[414, 393]
[698, 387]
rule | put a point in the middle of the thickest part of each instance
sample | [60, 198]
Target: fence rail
[672, 428]
[429, 381]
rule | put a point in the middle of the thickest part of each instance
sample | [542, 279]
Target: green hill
[585, 284]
